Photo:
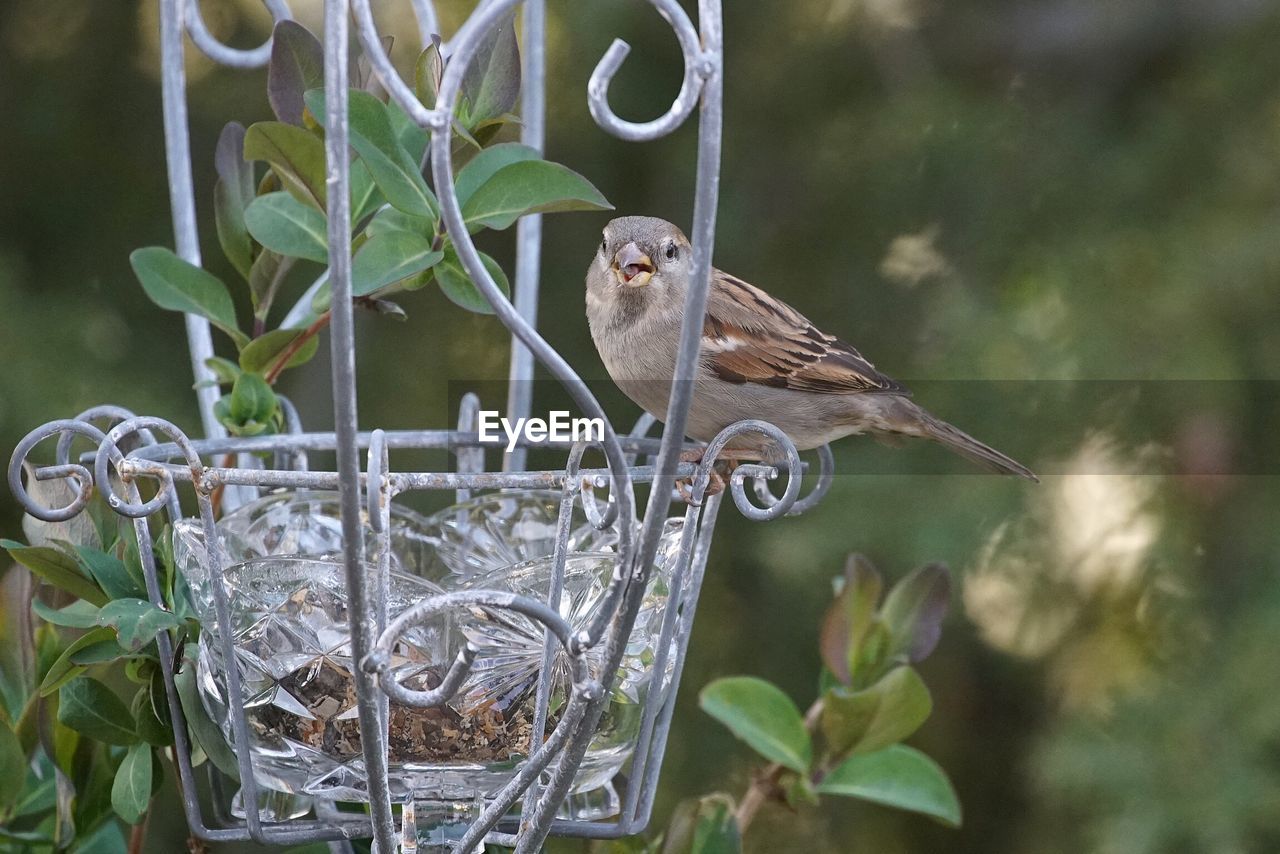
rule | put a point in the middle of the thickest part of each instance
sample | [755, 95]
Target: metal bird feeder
[528, 807]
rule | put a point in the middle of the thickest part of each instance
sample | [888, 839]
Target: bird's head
[642, 255]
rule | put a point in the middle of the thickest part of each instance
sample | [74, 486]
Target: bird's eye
[604, 246]
[671, 251]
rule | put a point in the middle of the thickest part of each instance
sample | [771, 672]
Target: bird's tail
[970, 448]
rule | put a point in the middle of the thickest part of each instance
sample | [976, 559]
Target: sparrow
[759, 357]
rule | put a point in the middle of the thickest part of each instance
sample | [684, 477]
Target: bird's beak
[632, 267]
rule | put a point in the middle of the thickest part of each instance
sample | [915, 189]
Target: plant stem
[215, 497]
[138, 836]
[294, 346]
[441, 232]
[764, 786]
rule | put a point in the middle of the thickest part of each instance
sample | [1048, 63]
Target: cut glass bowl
[288, 613]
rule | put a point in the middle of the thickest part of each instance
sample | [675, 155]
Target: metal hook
[696, 70]
[224, 54]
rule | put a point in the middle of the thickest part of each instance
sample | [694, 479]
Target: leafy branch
[273, 222]
[77, 758]
[848, 743]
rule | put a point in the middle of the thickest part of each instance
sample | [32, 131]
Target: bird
[759, 357]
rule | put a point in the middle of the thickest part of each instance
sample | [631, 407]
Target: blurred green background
[1058, 193]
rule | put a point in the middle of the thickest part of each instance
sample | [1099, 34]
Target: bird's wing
[750, 337]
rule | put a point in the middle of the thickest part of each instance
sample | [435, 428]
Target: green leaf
[160, 700]
[137, 621]
[252, 399]
[705, 825]
[101, 652]
[107, 523]
[762, 716]
[56, 568]
[165, 567]
[897, 776]
[411, 136]
[90, 708]
[463, 133]
[13, 769]
[873, 718]
[107, 839]
[458, 287]
[176, 285]
[283, 224]
[110, 573]
[913, 612]
[798, 790]
[265, 277]
[26, 836]
[847, 621]
[484, 131]
[66, 744]
[39, 794]
[717, 829]
[387, 258]
[264, 350]
[238, 428]
[139, 669]
[320, 302]
[204, 731]
[231, 195]
[296, 65]
[232, 168]
[232, 234]
[48, 647]
[64, 668]
[77, 615]
[295, 154]
[872, 655]
[491, 83]
[150, 728]
[365, 197]
[427, 73]
[390, 220]
[483, 166]
[530, 186]
[224, 370]
[362, 76]
[374, 139]
[384, 307]
[131, 791]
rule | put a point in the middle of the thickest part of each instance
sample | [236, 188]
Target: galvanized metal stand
[165, 456]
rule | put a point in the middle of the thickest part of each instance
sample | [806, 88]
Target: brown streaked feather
[750, 337]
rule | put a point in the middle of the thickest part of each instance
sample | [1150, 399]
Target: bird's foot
[715, 485]
[727, 459]
[693, 455]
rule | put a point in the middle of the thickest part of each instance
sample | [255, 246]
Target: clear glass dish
[290, 628]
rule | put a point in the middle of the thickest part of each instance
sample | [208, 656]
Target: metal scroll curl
[438, 120]
[465, 44]
[696, 69]
[771, 506]
[225, 54]
[109, 454]
[79, 476]
[67, 430]
[584, 688]
[585, 486]
[371, 44]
